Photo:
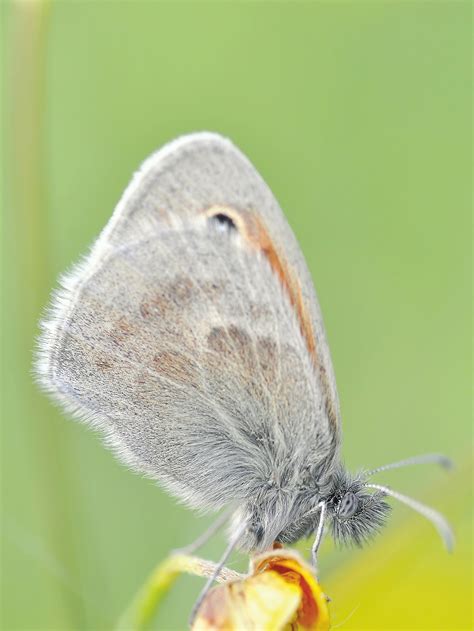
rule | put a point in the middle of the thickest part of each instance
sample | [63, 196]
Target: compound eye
[348, 505]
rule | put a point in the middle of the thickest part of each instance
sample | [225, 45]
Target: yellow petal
[312, 614]
[265, 602]
[280, 594]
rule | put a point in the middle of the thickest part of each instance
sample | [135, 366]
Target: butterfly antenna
[222, 561]
[443, 461]
[438, 521]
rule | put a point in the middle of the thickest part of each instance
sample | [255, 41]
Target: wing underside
[182, 336]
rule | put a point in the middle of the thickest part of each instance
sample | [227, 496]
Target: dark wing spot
[181, 290]
[239, 337]
[145, 309]
[155, 306]
[175, 366]
[125, 326]
[212, 288]
[217, 339]
[122, 329]
[222, 222]
[231, 338]
[267, 350]
[176, 294]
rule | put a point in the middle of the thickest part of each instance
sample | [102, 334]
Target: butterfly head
[354, 508]
[357, 509]
[356, 513]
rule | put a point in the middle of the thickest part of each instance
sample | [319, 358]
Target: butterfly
[192, 338]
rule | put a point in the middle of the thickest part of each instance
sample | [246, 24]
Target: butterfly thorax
[284, 513]
[287, 515]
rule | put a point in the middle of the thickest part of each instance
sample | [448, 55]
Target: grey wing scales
[188, 175]
[183, 351]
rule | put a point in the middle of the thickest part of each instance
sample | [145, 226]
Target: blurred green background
[358, 116]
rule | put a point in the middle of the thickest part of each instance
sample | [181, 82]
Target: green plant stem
[144, 605]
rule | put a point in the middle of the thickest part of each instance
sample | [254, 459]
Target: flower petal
[280, 593]
[265, 602]
[313, 611]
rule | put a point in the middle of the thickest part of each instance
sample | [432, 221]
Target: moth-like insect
[192, 338]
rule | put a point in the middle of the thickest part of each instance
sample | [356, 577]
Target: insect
[192, 338]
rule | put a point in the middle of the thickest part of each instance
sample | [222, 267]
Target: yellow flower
[280, 593]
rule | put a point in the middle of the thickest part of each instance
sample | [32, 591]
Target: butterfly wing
[204, 171]
[191, 336]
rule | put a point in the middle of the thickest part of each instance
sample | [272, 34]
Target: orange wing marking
[255, 233]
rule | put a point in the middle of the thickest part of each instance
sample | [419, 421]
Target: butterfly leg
[319, 536]
[222, 561]
[207, 534]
